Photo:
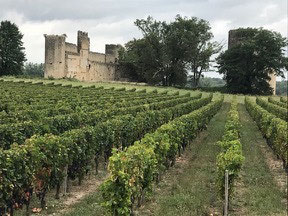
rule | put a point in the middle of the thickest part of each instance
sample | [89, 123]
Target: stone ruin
[67, 60]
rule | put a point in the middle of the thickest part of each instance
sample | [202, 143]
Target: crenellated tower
[55, 56]
[83, 45]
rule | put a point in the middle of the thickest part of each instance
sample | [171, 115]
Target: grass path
[257, 191]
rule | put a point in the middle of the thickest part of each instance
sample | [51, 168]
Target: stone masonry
[67, 60]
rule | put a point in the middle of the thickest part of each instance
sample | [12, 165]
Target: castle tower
[54, 56]
[83, 41]
[83, 44]
[112, 49]
[235, 38]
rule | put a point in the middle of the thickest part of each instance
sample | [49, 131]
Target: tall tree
[248, 64]
[167, 51]
[12, 54]
[195, 39]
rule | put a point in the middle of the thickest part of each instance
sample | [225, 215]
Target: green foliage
[68, 115]
[18, 167]
[283, 99]
[278, 111]
[45, 157]
[168, 51]
[279, 103]
[231, 157]
[12, 54]
[133, 171]
[274, 129]
[246, 65]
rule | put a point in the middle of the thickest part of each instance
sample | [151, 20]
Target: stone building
[67, 60]
[233, 39]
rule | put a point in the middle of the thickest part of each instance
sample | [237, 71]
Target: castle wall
[63, 59]
[72, 48]
[111, 59]
[91, 71]
[101, 71]
[72, 65]
[99, 57]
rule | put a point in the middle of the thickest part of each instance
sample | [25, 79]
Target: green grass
[90, 205]
[106, 85]
[258, 192]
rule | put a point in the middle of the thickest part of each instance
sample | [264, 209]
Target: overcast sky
[111, 21]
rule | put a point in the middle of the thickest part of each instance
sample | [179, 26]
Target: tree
[168, 51]
[195, 37]
[33, 70]
[247, 65]
[12, 54]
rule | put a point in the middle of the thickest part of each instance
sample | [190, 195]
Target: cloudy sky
[111, 21]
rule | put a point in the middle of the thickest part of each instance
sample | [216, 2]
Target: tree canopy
[169, 51]
[12, 54]
[247, 65]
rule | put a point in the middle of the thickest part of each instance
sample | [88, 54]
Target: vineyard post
[65, 182]
[226, 193]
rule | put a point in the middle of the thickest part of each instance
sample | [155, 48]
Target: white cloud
[279, 26]
[99, 33]
[268, 10]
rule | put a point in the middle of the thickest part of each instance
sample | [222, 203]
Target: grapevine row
[279, 103]
[19, 132]
[133, 171]
[274, 109]
[231, 157]
[273, 129]
[42, 162]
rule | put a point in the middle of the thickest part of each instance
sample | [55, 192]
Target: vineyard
[55, 137]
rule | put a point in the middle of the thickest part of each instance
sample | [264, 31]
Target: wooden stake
[226, 193]
[65, 182]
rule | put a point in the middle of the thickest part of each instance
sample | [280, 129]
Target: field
[73, 148]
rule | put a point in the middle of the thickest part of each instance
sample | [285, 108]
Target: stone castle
[67, 60]
[234, 39]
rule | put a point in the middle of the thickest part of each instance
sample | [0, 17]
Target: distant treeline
[281, 87]
[209, 84]
[33, 70]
